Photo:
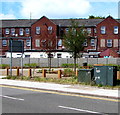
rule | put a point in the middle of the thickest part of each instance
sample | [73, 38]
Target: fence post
[59, 73]
[29, 72]
[76, 72]
[7, 71]
[18, 72]
[43, 73]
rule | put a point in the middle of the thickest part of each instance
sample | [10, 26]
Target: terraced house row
[42, 35]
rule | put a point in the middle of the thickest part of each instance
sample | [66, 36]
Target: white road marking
[76, 109]
[11, 97]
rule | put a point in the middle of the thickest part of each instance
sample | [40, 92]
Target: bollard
[30, 73]
[43, 73]
[59, 73]
[18, 73]
[7, 71]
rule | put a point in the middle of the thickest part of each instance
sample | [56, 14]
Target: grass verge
[69, 80]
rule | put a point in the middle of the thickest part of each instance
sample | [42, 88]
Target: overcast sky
[20, 9]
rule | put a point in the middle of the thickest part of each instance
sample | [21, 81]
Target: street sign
[16, 46]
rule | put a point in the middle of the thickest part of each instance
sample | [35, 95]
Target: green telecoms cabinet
[105, 75]
[85, 75]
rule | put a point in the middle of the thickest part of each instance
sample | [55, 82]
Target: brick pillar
[43, 73]
[59, 74]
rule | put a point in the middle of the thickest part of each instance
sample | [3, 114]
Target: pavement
[73, 89]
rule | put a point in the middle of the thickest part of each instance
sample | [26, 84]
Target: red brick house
[108, 35]
[47, 34]
[44, 34]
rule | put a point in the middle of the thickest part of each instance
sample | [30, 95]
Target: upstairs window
[21, 31]
[92, 42]
[12, 31]
[115, 29]
[7, 31]
[89, 31]
[37, 43]
[95, 30]
[50, 43]
[74, 31]
[50, 29]
[103, 29]
[66, 30]
[43, 43]
[109, 43]
[85, 42]
[37, 30]
[4, 42]
[27, 31]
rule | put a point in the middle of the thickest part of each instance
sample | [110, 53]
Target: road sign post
[16, 46]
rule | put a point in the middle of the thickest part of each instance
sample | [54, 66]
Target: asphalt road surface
[24, 100]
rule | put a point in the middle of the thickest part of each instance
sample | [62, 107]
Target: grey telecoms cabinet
[105, 75]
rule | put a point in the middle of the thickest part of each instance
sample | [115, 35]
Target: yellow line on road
[59, 93]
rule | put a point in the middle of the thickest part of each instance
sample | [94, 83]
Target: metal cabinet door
[100, 75]
[111, 75]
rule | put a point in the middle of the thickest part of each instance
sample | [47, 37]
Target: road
[24, 100]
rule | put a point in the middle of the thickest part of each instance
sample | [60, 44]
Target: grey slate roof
[60, 22]
[81, 22]
[18, 23]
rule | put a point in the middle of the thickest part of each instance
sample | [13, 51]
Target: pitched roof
[81, 22]
[108, 52]
[60, 22]
[18, 23]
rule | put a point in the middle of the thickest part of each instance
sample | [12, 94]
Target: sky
[57, 9]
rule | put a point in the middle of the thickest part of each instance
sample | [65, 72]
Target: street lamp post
[11, 57]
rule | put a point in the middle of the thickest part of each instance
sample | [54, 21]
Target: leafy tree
[96, 17]
[74, 40]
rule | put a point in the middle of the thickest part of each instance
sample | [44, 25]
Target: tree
[74, 40]
[96, 17]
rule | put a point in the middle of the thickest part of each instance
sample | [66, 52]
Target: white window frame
[115, 29]
[21, 30]
[92, 42]
[85, 42]
[37, 43]
[60, 42]
[89, 30]
[50, 29]
[28, 42]
[27, 31]
[95, 30]
[103, 30]
[102, 43]
[4, 42]
[12, 31]
[109, 43]
[7, 31]
[37, 30]
[66, 30]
